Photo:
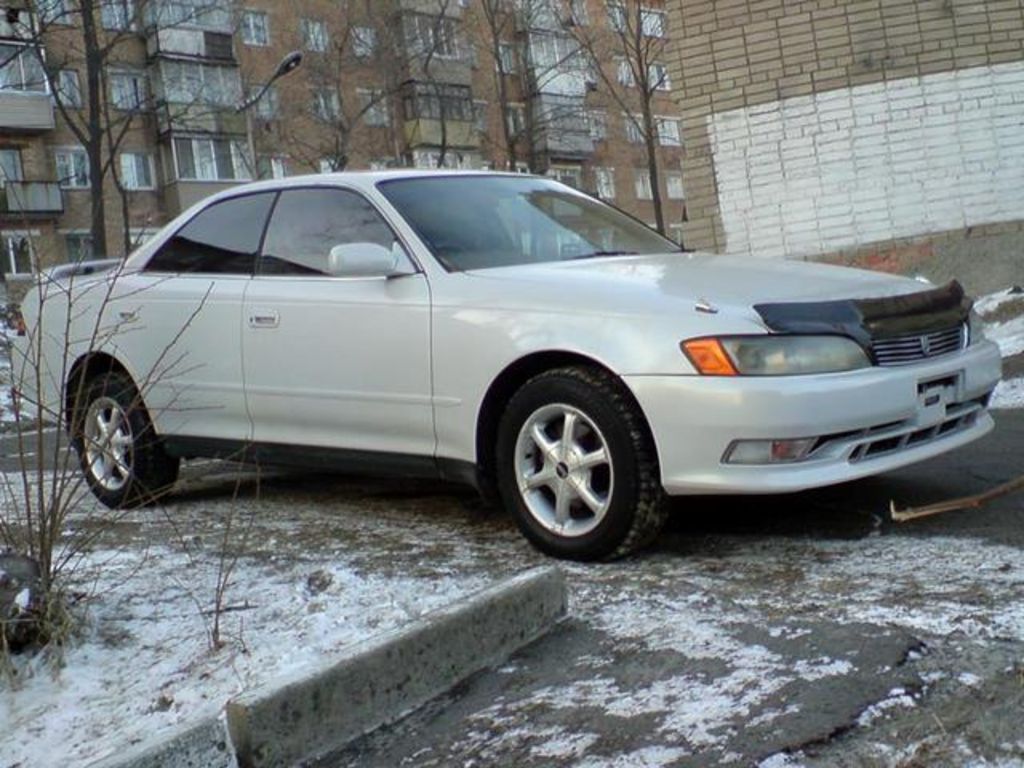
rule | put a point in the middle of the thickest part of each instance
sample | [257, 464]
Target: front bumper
[869, 421]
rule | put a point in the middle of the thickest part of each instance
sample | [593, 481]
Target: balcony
[563, 129]
[30, 199]
[24, 100]
[198, 43]
[200, 118]
[434, 133]
[180, 195]
[26, 112]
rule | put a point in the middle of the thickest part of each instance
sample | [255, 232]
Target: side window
[223, 239]
[307, 223]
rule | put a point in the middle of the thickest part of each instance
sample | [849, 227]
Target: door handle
[264, 318]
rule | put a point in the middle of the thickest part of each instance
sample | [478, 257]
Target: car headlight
[975, 327]
[774, 355]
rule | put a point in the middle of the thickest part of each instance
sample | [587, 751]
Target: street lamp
[287, 65]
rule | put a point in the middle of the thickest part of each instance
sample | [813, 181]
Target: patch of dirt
[1007, 310]
[1013, 366]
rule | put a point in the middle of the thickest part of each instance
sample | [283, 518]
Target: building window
[507, 58]
[128, 90]
[515, 118]
[480, 113]
[439, 102]
[72, 168]
[674, 186]
[431, 158]
[69, 90]
[16, 255]
[203, 159]
[117, 14]
[266, 106]
[325, 104]
[20, 69]
[364, 41]
[435, 35]
[10, 165]
[187, 82]
[374, 106]
[657, 77]
[578, 13]
[254, 28]
[675, 231]
[617, 17]
[54, 11]
[136, 170]
[668, 132]
[570, 175]
[643, 184]
[78, 247]
[605, 181]
[271, 167]
[597, 124]
[634, 131]
[205, 14]
[624, 73]
[652, 22]
[314, 35]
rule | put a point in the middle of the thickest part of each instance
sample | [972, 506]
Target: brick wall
[823, 126]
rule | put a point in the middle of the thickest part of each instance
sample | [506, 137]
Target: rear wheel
[122, 457]
[577, 467]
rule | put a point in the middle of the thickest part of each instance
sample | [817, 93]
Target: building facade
[879, 131]
[152, 89]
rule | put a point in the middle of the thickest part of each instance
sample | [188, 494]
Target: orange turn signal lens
[708, 357]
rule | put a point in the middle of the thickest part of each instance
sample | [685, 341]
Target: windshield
[475, 222]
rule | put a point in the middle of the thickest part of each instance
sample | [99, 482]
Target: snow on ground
[703, 607]
[1003, 313]
[144, 664]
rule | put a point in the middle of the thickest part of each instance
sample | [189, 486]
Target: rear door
[329, 361]
[179, 321]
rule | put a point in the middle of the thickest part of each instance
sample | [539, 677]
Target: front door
[335, 362]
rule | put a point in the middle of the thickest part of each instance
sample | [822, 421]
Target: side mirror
[367, 260]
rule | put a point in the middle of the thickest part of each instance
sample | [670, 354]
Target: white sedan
[502, 330]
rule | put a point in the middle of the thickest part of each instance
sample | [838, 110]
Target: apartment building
[393, 83]
[882, 133]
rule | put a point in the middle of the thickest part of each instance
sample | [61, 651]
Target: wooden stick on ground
[964, 502]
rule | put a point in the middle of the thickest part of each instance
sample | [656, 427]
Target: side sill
[343, 460]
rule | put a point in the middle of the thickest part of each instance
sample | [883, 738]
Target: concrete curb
[198, 745]
[304, 717]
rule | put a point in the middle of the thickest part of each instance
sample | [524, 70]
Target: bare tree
[354, 84]
[96, 38]
[542, 78]
[627, 55]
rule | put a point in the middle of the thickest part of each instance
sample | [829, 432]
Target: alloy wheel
[564, 470]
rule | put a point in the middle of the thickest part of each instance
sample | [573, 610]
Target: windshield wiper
[597, 254]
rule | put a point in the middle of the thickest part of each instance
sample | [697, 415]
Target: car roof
[359, 179]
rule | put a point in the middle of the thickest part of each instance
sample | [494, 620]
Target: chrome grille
[902, 350]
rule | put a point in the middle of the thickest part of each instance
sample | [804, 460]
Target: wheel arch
[86, 367]
[508, 381]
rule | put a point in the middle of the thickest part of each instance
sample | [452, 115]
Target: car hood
[722, 281]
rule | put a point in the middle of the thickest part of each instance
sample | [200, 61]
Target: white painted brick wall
[853, 166]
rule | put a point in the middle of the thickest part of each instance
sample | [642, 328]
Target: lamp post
[287, 65]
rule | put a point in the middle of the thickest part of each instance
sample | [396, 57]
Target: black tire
[632, 501]
[140, 470]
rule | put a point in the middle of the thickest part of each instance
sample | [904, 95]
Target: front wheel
[577, 467]
[123, 459]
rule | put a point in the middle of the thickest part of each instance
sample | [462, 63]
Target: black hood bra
[870, 320]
